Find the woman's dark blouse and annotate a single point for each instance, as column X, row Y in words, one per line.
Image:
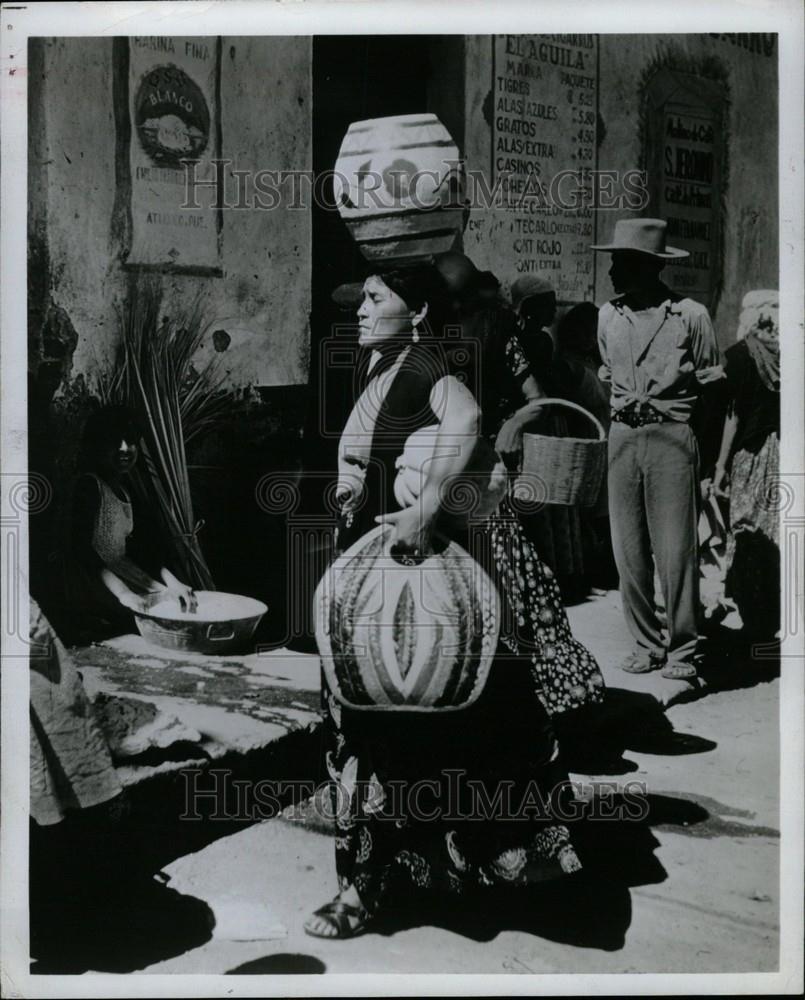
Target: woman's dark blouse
column 405, row 409
column 756, row 406
column 487, row 357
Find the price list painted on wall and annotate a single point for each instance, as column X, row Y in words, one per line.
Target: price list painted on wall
column 543, row 152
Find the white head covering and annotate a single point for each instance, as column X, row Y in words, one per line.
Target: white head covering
column 757, row 305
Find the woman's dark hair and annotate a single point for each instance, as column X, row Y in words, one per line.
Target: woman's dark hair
column 578, row 328
column 105, row 428
column 417, row 284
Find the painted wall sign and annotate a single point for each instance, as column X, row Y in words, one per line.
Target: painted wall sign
column 173, row 115
column 544, row 141
column 764, row 44
column 686, row 171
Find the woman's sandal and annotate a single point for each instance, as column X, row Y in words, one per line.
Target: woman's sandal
column 680, row 671
column 347, row 921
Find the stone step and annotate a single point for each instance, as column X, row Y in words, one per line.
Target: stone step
column 163, row 711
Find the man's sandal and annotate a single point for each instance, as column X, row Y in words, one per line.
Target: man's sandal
column 345, row 920
column 641, row 663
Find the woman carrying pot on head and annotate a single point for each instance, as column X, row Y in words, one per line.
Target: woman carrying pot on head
column 107, row 582
column 417, row 795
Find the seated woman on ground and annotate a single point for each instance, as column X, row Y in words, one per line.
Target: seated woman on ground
column 110, row 583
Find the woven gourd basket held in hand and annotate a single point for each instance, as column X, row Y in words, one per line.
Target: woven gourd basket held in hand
column 398, row 637
column 563, row 470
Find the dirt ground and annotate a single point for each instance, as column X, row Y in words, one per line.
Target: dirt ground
column 692, row 887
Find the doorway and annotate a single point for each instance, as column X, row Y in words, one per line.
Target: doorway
column 355, row 77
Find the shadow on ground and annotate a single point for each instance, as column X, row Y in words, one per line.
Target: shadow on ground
column 281, row 964
column 594, row 741
column 731, row 661
column 589, row 909
column 94, row 909
column 96, row 899
column 95, row 904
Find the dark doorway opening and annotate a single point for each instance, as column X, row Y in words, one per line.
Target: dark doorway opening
column 354, row 78
column 357, row 78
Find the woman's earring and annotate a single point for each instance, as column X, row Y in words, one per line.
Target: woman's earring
column 415, row 334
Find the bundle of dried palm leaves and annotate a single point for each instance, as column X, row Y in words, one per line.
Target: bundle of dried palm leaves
column 155, row 377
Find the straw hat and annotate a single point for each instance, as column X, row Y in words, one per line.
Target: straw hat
column 643, row 235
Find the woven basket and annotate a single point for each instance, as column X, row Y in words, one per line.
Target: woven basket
column 563, row 470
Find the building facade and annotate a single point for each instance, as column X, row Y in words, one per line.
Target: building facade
column 576, row 130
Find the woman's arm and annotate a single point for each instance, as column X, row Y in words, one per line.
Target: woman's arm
column 736, row 370
column 509, row 443
column 724, row 459
column 185, row 595
column 131, row 574
column 86, row 503
column 459, row 428
column 124, row 594
column 458, row 434
column 126, row 573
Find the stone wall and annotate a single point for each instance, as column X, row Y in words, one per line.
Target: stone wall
column 78, row 281
column 744, row 67
column 261, row 299
column 750, row 216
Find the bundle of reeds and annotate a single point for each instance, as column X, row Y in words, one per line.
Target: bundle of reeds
column 154, row 376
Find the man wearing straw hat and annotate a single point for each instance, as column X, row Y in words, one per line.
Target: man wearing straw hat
column 658, row 351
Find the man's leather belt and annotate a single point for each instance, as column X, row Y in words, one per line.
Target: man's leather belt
column 638, row 415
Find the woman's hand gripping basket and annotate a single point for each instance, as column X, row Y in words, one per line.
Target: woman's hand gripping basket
column 406, row 637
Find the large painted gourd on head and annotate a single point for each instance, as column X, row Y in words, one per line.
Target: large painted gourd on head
column 399, row 186
column 406, row 638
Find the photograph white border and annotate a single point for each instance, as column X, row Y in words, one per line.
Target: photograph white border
column 233, row 17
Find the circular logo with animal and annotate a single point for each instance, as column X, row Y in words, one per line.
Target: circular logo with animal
column 171, row 116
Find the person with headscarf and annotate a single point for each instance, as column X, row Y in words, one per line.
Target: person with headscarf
column 747, row 468
column 534, row 301
column 479, row 355
column 575, row 370
column 555, row 530
column 71, row 766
